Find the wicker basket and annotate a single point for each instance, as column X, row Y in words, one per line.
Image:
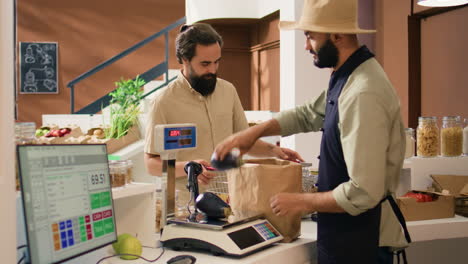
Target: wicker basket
column 219, row 186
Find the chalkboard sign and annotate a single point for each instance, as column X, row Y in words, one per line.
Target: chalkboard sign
column 38, row 67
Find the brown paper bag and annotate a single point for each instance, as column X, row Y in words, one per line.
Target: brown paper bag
column 254, row 183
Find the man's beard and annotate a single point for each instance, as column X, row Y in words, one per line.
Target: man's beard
column 327, row 55
column 204, row 84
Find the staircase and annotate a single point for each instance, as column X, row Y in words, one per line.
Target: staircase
column 133, row 151
column 160, row 69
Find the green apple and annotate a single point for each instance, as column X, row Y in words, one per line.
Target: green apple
column 39, row 132
column 120, row 238
column 130, row 245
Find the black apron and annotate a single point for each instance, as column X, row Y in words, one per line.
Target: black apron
column 343, row 238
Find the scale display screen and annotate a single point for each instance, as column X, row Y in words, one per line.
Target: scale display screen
column 253, row 235
column 245, row 238
column 179, row 137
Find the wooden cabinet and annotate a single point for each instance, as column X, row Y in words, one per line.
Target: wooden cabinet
column 251, row 59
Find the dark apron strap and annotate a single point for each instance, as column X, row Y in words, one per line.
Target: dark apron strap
column 401, row 253
column 400, row 216
column 401, row 219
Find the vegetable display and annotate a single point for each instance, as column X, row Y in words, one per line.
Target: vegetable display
column 124, row 108
column 420, row 197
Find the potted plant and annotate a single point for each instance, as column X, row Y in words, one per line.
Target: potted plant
column 124, row 107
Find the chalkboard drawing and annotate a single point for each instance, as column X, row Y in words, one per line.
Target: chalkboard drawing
column 30, row 84
column 50, row 84
column 29, row 57
column 45, row 74
column 38, row 67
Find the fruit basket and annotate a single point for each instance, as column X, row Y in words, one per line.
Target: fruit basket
column 56, row 135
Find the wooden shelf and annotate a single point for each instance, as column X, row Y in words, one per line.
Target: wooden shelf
column 135, row 188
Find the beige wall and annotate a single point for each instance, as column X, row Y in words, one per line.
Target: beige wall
column 7, row 161
column 392, row 45
column 443, row 63
column 89, row 32
column 443, row 57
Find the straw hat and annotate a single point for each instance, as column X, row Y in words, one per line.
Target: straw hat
column 328, row 16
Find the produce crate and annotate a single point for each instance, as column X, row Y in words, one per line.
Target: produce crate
column 457, row 185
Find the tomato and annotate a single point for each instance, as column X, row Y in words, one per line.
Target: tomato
column 420, row 197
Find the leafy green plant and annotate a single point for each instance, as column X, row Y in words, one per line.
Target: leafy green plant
column 124, row 108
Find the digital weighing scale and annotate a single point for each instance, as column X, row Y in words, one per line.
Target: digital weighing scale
column 220, row 237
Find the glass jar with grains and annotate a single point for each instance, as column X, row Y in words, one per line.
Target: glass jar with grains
column 465, row 138
column 409, row 150
column 451, row 136
column 25, row 133
column 427, row 137
column 118, row 173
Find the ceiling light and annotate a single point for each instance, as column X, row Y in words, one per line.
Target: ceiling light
column 440, row 3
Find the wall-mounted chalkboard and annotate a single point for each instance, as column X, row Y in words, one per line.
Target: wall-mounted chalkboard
column 38, row 67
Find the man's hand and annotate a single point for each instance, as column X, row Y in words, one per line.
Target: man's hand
column 287, row 154
column 288, row 204
column 241, row 140
column 295, row 203
column 206, row 176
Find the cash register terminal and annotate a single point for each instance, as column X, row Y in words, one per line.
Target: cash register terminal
column 67, row 200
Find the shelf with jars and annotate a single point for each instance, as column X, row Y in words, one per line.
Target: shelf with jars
column 419, row 169
column 438, row 151
column 448, row 141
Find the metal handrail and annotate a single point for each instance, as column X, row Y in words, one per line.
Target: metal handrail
column 159, row 87
column 124, row 53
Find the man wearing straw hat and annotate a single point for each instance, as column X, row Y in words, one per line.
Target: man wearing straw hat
column 362, row 146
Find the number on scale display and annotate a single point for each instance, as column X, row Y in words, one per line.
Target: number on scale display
column 180, row 132
column 97, row 178
column 174, row 133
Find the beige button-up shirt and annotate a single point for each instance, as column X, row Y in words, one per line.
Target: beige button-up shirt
column 373, row 142
column 217, row 116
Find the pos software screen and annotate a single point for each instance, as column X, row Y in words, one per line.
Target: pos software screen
column 67, row 200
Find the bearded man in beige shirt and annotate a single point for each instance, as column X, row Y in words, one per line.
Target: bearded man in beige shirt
column 199, row 96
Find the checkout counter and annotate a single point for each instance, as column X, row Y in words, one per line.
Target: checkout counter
column 72, row 215
column 434, row 241
column 301, row 251
column 134, row 207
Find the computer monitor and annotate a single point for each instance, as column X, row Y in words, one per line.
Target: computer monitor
column 67, row 200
